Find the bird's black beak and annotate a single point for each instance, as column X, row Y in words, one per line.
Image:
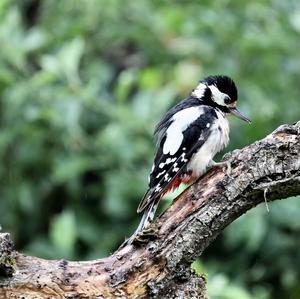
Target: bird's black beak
column 235, row 111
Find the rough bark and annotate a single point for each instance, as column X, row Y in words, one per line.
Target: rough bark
column 266, row 170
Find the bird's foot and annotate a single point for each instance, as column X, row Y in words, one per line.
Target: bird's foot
column 225, row 164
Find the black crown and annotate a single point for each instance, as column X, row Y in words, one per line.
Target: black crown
column 224, row 84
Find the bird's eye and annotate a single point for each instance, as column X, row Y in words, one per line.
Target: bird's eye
column 227, row 100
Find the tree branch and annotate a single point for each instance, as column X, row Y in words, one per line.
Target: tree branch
column 267, row 169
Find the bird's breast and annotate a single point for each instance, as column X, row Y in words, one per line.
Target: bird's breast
column 216, row 141
column 223, row 127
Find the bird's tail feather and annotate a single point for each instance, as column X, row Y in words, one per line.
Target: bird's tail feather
column 147, row 218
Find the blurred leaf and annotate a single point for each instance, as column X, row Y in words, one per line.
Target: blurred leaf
column 68, row 168
column 69, row 58
column 248, row 231
column 66, row 61
column 63, row 232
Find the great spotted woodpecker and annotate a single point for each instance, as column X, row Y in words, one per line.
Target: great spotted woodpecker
column 188, row 137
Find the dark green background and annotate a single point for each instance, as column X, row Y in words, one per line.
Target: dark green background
column 82, row 84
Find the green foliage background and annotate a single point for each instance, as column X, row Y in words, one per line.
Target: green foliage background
column 82, row 84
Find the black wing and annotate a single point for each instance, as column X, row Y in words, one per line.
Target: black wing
column 167, row 167
column 164, row 123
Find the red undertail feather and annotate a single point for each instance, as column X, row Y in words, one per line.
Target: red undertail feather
column 186, row 178
column 174, row 185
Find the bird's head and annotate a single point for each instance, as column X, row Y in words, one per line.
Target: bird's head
column 220, row 92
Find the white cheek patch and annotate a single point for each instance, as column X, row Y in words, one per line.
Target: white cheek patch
column 217, row 95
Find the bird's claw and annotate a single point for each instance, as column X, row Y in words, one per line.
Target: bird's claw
column 223, row 165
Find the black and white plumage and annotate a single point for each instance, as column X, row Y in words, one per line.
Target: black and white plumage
column 188, row 137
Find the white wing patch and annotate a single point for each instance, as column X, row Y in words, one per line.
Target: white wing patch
column 168, row 161
column 160, row 174
column 181, row 120
column 183, row 159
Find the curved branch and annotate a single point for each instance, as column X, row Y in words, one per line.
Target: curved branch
column 267, row 169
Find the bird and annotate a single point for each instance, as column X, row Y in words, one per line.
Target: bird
column 187, row 138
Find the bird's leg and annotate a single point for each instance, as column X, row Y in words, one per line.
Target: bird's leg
column 223, row 165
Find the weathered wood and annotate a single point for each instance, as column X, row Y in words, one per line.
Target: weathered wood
column 268, row 168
